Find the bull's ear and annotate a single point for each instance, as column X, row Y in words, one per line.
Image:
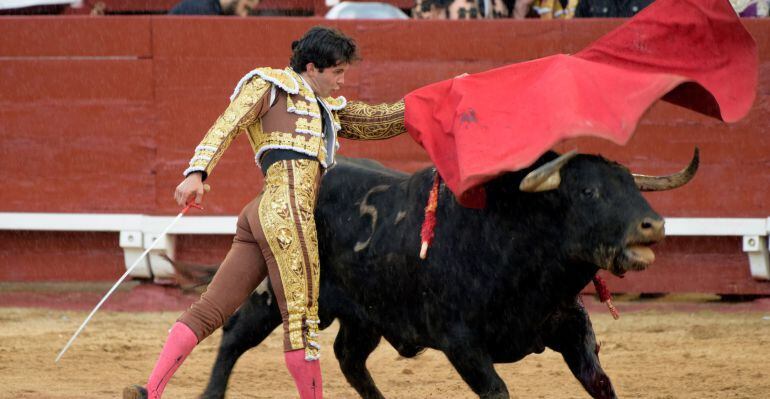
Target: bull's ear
column 546, row 177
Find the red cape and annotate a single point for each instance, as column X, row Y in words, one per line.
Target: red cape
column 696, row 53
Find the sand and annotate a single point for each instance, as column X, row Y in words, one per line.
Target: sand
column 647, row 354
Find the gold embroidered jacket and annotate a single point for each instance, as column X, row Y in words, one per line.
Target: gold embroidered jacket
column 279, row 110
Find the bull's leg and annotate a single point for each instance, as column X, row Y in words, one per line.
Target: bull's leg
column 573, row 336
column 352, row 347
column 245, row 329
column 476, row 368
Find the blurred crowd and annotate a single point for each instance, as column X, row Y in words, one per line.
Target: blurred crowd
column 554, row 9
column 389, row 9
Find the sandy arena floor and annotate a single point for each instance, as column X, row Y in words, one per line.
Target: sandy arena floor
column 656, row 353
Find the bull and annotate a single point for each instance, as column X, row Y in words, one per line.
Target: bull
column 499, row 283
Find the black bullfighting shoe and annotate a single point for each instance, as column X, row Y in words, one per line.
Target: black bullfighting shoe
column 134, row 392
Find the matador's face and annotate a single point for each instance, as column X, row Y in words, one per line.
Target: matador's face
column 326, row 82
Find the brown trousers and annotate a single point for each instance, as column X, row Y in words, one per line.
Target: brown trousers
column 275, row 235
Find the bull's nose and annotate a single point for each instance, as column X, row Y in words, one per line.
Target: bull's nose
column 652, row 228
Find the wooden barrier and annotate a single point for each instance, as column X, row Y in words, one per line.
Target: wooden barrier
column 101, row 115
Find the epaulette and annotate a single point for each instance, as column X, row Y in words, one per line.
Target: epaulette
column 336, row 104
column 279, row 77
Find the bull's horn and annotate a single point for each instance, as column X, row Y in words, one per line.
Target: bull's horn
column 547, row 176
column 660, row 183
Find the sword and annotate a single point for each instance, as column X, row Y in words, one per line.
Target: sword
column 192, row 204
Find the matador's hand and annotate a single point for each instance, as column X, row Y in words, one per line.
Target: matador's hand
column 191, row 186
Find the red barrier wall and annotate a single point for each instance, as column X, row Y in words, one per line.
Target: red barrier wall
column 102, row 115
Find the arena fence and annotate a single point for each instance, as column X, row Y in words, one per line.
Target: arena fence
column 99, row 116
column 138, row 232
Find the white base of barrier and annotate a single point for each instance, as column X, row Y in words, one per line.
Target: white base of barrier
column 137, row 232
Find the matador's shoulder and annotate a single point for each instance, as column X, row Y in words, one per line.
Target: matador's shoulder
column 282, row 78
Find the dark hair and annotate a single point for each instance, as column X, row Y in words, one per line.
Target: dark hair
column 324, row 47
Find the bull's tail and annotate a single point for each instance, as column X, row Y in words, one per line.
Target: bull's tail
column 192, row 275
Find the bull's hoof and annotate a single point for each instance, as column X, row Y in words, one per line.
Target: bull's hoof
column 134, row 392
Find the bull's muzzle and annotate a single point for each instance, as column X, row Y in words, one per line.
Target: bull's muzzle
column 637, row 254
column 651, row 229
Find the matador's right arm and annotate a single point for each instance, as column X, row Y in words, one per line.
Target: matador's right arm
column 250, row 103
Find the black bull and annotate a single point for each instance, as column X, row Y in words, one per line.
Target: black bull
column 498, row 283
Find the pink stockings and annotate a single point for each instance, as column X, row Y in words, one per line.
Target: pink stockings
column 306, row 374
column 181, row 341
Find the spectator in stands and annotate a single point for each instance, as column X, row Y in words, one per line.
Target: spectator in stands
column 32, row 7
column 751, row 8
column 609, row 8
column 241, row 8
column 476, row 9
column 99, row 9
column 461, row 9
column 544, row 9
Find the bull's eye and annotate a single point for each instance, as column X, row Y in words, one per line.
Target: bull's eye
column 590, row 193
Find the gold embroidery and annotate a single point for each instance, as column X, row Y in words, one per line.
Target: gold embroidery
column 283, row 78
column 277, row 222
column 300, row 279
column 239, row 114
column 371, row 122
column 306, row 144
column 303, row 108
column 242, row 113
column 313, row 125
column 305, row 172
column 336, row 104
